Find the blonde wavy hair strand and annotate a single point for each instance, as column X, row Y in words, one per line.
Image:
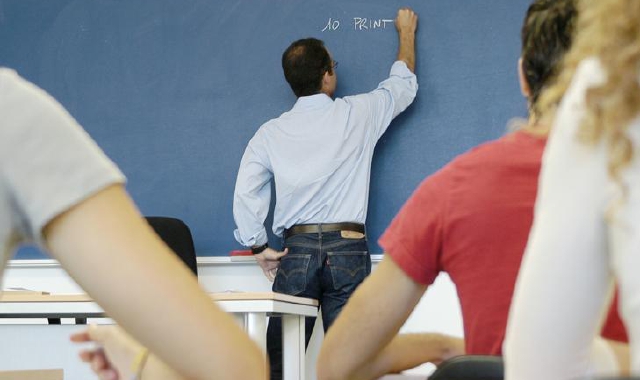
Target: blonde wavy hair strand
column 609, row 30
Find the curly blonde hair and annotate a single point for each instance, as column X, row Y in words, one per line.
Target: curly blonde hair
column 610, row 31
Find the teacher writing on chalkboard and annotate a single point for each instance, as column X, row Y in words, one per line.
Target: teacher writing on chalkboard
column 319, row 154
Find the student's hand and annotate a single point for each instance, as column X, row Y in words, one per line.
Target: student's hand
column 269, row 261
column 112, row 359
column 452, row 346
column 406, row 21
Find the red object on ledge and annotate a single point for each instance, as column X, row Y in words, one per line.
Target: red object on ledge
column 243, row 252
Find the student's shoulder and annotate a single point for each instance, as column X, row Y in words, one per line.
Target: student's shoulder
column 503, row 148
column 483, row 152
column 14, row 89
column 10, row 80
column 7, row 73
column 493, row 155
column 475, row 157
column 8, row 77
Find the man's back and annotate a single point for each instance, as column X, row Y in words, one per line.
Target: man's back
column 318, row 145
column 319, row 154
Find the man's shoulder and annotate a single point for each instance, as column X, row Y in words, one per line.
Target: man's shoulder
column 266, row 126
column 267, row 131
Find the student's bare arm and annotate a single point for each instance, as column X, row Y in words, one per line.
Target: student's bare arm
column 108, row 248
column 408, row 351
column 362, row 343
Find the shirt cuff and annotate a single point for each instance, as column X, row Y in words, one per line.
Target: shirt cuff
column 399, row 68
column 260, row 238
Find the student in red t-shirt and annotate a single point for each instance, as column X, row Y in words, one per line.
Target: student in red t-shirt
column 471, row 219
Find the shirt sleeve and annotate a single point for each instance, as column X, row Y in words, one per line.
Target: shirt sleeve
column 564, row 280
column 414, row 238
column 252, row 197
column 48, row 162
column 389, row 99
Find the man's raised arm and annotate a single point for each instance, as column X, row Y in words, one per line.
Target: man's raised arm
column 406, row 23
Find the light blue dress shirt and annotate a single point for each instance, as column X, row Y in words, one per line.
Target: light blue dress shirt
column 319, row 154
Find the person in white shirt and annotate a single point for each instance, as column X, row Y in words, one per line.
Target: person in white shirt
column 60, row 191
column 319, row 155
column 586, row 230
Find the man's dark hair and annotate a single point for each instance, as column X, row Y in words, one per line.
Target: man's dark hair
column 546, row 36
column 304, row 63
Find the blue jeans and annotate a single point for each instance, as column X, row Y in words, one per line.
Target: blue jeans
column 324, row 266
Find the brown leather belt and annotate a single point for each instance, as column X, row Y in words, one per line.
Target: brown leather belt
column 322, row 227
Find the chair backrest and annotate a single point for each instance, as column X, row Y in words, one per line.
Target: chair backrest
column 177, row 235
column 470, row 367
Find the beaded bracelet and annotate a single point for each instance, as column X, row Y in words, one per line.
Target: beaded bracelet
column 138, row 363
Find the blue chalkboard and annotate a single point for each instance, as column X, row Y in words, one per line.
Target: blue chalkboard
column 173, row 89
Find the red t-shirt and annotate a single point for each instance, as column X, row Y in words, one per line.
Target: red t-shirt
column 471, row 219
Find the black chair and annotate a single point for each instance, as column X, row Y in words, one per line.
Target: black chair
column 177, row 235
column 470, row 367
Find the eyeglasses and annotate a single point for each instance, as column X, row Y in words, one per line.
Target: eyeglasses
column 334, row 64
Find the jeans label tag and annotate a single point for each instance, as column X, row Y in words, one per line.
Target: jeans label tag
column 351, row 234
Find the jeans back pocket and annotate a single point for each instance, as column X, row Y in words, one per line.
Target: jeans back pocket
column 292, row 274
column 349, row 268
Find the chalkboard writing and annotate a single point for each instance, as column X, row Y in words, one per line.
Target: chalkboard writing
column 360, row 23
column 173, row 90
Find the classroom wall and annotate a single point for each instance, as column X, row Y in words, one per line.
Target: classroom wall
column 173, row 90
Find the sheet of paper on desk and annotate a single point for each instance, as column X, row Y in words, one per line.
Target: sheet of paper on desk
column 23, row 291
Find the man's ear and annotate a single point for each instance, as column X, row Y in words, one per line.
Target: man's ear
column 326, row 80
column 524, row 85
column 326, row 76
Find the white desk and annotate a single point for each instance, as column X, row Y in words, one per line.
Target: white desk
column 250, row 309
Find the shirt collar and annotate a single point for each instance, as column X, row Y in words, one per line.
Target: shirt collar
column 311, row 102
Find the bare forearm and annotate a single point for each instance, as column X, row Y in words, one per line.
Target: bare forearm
column 95, row 238
column 408, row 351
column 159, row 370
column 406, row 24
column 406, row 49
column 365, row 327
